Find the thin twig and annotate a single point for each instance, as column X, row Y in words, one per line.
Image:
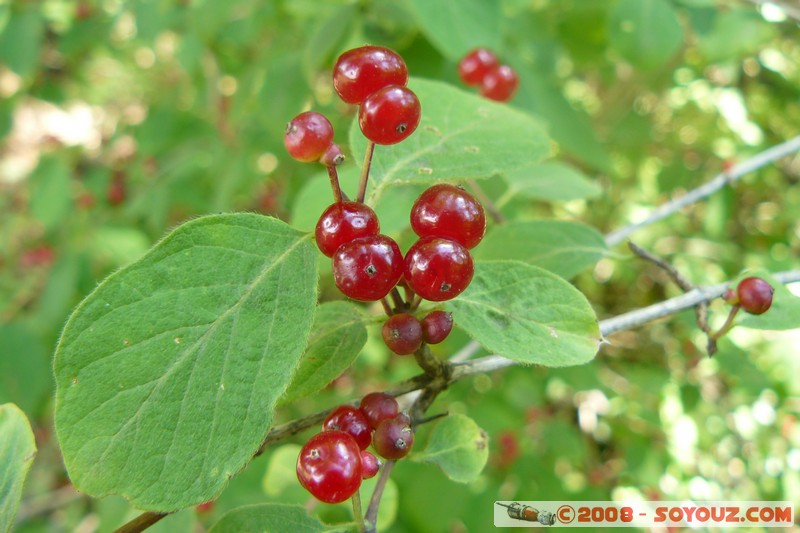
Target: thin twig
column 364, row 178
column 701, row 310
column 141, row 522
column 707, row 189
column 357, row 513
column 333, row 175
column 375, row 501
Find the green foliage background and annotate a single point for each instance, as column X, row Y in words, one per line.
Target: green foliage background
column 184, row 102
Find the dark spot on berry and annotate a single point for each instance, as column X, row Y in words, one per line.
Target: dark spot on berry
column 401, row 127
column 445, row 287
column 314, row 453
column 401, row 444
column 370, row 270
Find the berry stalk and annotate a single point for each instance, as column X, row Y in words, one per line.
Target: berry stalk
column 712, row 339
column 358, row 513
column 364, row 178
column 333, row 174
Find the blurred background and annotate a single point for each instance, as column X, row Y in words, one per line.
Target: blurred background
column 120, row 119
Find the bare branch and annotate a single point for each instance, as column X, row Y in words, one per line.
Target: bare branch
column 141, row 522
column 707, row 189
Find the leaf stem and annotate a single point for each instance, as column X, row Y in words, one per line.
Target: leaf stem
column 713, row 338
column 364, row 178
column 386, row 307
column 141, row 522
column 377, row 494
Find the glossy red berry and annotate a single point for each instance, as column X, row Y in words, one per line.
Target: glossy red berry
column 352, row 421
column 438, row 269
column 755, row 295
column 329, row 466
column 307, row 136
column 449, row 212
column 389, row 115
column 369, row 465
column 343, row 222
column 362, row 71
column 367, row 268
column 394, row 437
column 436, row 326
column 402, row 333
column 473, row 67
column 378, row 406
column 500, row 83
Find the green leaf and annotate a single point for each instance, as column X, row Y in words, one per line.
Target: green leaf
column 564, row 248
column 168, row 373
column 460, row 136
column 527, row 314
column 455, row 28
column 735, row 34
column 268, row 518
column 281, row 474
column 783, row 314
column 17, row 450
column 459, row 447
column 337, row 336
column 552, row 181
column 646, row 32
column 21, row 39
column 51, row 192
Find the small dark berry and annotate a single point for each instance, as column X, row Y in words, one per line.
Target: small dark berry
column 436, row 326
column 394, row 437
column 402, row 333
column 474, row 66
column 755, row 295
column 367, row 268
column 362, row 71
column 369, row 465
column 438, row 269
column 389, row 115
column 378, row 406
column 352, row 421
column 449, row 212
column 500, row 83
column 307, row 136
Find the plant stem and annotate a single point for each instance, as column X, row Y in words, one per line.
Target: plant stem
column 375, row 501
column 712, row 339
column 333, row 174
column 357, row 513
column 386, row 307
column 487, row 203
column 362, row 181
column 399, row 303
column 707, row 189
column 141, row 522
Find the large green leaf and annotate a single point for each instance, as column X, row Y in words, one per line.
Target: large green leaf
column 562, row 247
column 455, row 28
column 268, row 518
column 460, row 136
column 24, row 368
column 168, row 373
column 551, row 181
column 527, row 314
column 645, row 32
column 337, row 336
column 459, row 447
column 17, row 450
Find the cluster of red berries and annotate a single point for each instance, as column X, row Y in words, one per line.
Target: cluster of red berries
column 332, row 464
column 754, row 295
column 482, row 68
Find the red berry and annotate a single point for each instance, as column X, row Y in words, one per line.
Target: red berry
column 117, row 190
column 378, row 406
column 369, row 465
column 329, row 466
column 333, row 156
column 755, row 295
column 307, row 136
column 500, row 83
column 449, row 212
column 205, row 507
column 362, row 71
column 402, row 333
column 352, row 421
column 342, row 222
column 367, row 268
column 474, row 66
column 389, row 115
column 394, row 437
column 436, row 326
column 438, row 269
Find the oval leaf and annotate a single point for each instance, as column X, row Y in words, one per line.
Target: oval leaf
column 551, row 181
column 268, row 517
column 17, row 450
column 564, row 248
column 459, row 447
column 168, row 373
column 527, row 314
column 337, row 336
column 460, row 136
